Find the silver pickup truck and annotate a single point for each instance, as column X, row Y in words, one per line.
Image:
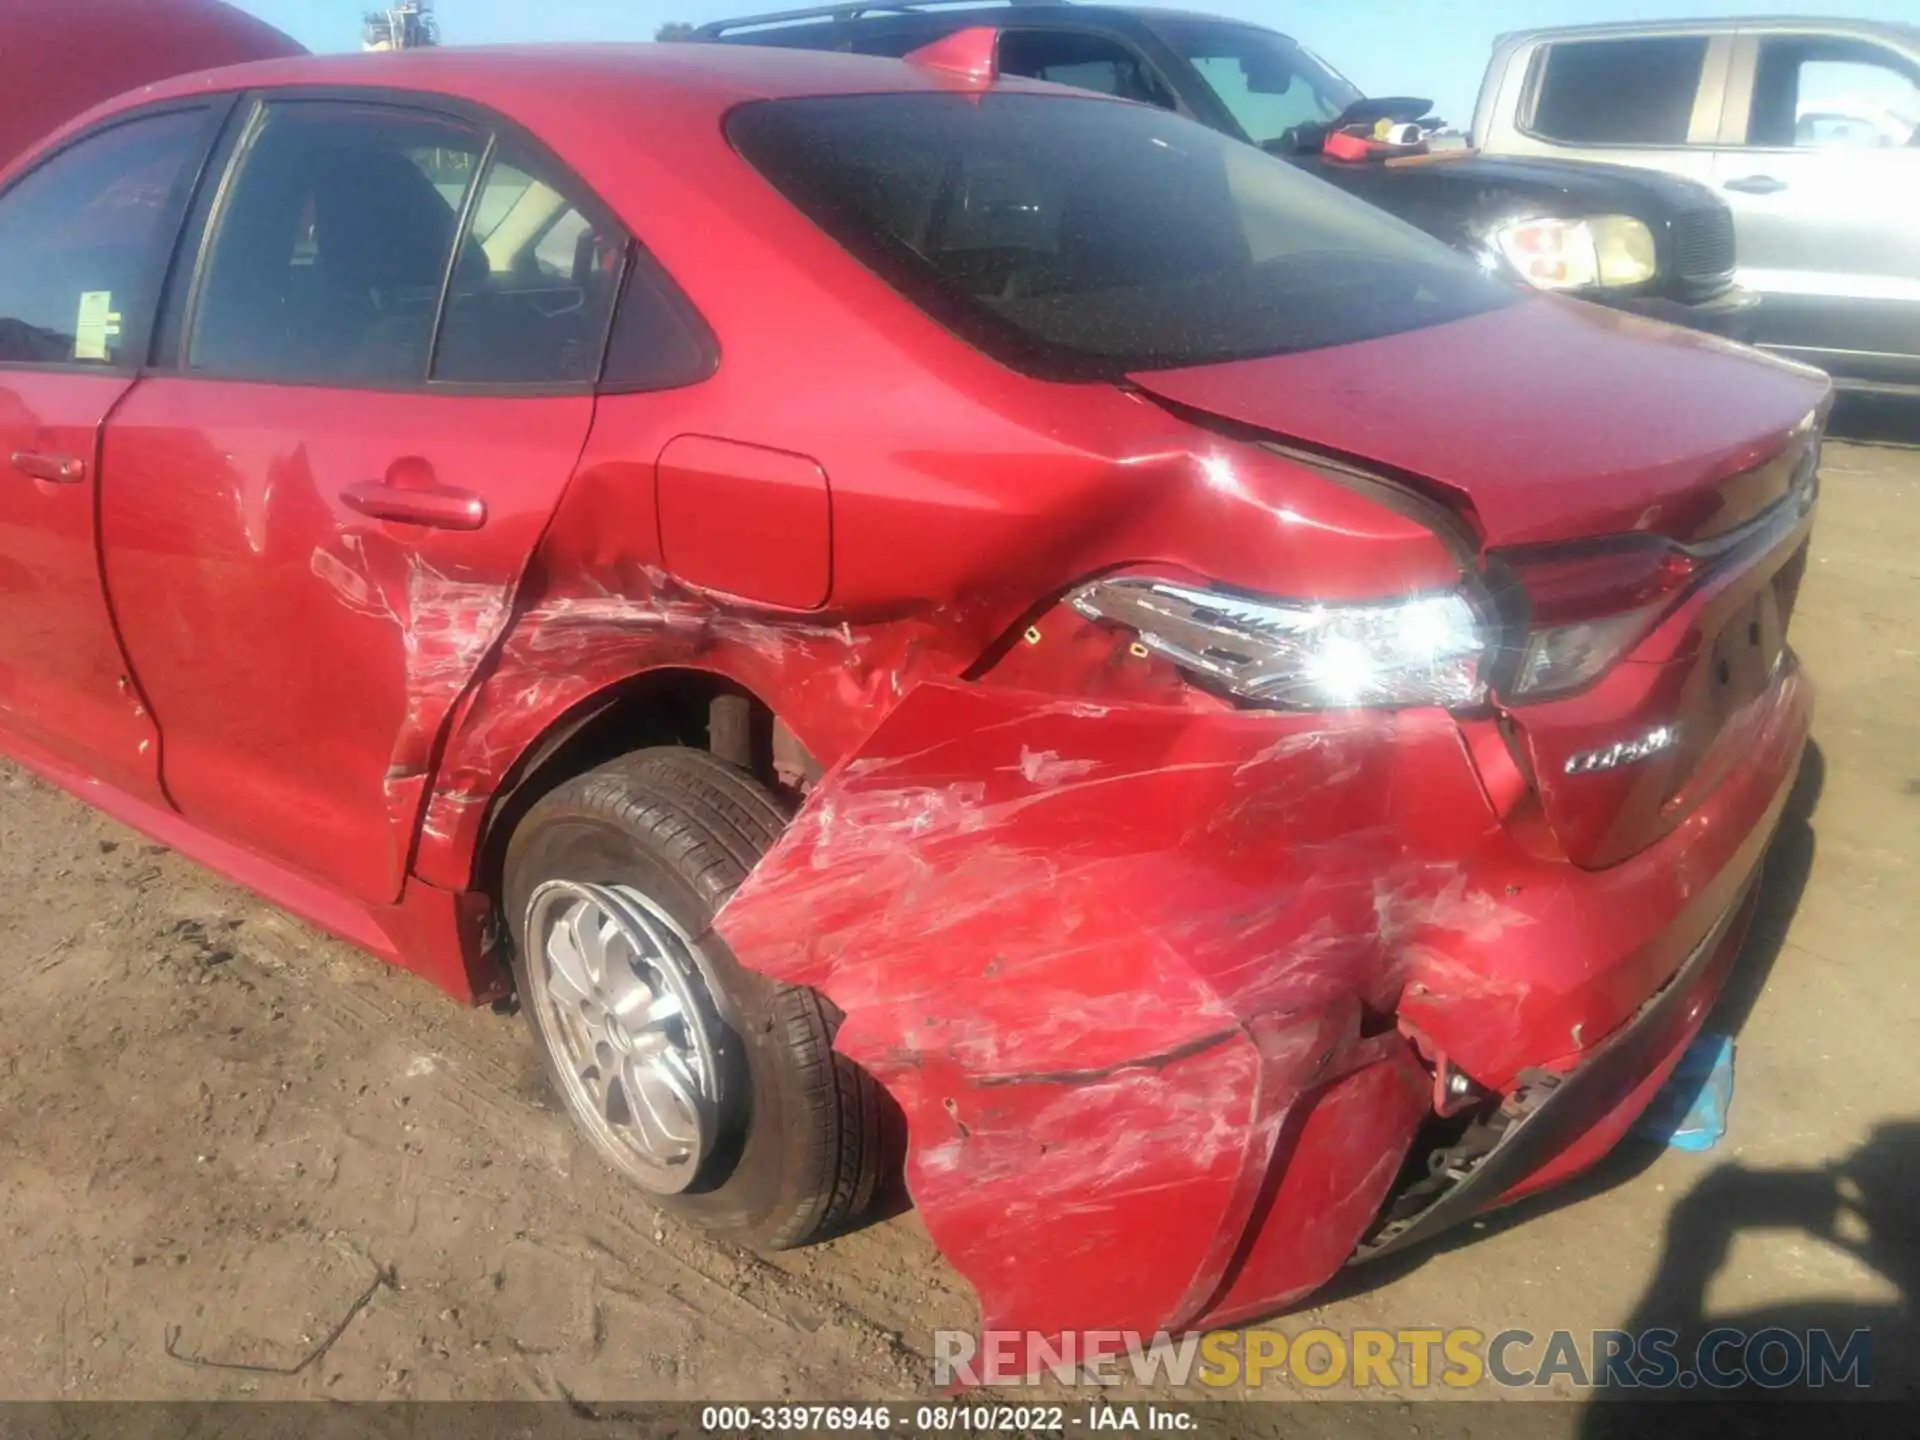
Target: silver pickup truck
column 1810, row 129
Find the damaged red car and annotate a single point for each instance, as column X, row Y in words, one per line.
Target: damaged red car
column 913, row 619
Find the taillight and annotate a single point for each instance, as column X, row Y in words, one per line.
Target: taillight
column 1302, row 654
column 1587, row 604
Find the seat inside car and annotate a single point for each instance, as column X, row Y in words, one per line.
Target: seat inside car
column 328, row 265
column 382, row 232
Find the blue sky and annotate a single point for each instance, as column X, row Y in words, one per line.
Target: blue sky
column 1386, row 47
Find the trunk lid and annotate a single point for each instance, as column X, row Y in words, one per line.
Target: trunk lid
column 1549, row 424
column 1544, row 420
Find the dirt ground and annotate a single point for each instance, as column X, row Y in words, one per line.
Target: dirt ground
column 218, row 1128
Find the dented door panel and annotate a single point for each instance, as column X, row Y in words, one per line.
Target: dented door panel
column 301, row 656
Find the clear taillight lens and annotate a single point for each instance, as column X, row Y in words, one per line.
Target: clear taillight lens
column 1588, row 605
column 1566, row 657
column 1418, row 650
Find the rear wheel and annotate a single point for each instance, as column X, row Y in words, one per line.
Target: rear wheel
column 713, row 1088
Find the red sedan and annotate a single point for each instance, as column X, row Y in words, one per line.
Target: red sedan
column 863, row 592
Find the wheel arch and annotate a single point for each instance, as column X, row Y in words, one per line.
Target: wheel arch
column 464, row 838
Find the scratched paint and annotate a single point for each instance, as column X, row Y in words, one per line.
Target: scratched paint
column 1134, row 966
column 445, row 626
column 607, row 625
column 1132, row 961
column 1106, row 959
column 1127, row 946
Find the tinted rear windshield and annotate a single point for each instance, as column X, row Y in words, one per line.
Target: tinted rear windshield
column 1082, row 238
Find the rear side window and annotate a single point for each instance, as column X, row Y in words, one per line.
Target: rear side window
column 1080, row 238
column 1619, row 92
column 659, row 341
column 331, row 248
column 1268, row 83
column 534, row 289
column 79, row 239
column 1086, row 62
column 1817, row 92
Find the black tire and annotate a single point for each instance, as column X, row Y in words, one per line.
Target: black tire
column 799, row 1155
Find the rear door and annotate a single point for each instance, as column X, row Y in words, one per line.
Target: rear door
column 84, row 235
column 365, row 403
column 1820, row 163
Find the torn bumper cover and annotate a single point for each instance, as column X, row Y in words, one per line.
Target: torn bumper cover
column 1551, row 1119
column 1141, row 978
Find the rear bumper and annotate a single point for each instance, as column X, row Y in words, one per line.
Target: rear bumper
column 1729, row 314
column 1146, row 982
column 1554, row 1125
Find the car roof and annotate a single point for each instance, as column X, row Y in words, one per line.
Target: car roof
column 1828, row 24
column 740, row 31
column 529, row 82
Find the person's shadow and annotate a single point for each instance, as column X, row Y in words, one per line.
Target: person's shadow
column 1866, row 1206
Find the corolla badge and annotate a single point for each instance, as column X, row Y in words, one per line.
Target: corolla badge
column 1624, row 752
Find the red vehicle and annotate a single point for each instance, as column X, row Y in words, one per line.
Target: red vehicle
column 58, row 57
column 861, row 590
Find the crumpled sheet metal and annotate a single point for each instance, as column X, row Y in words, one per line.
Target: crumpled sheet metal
column 575, row 645
column 1123, row 968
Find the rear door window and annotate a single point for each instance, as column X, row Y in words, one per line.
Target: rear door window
column 81, row 238
column 331, row 249
column 1619, row 92
column 1086, row 62
column 534, row 288
column 1818, row 92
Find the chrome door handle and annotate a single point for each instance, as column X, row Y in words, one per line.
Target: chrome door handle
column 441, row 509
column 55, row 469
column 1756, row 185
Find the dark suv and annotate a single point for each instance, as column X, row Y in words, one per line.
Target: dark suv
column 1634, row 239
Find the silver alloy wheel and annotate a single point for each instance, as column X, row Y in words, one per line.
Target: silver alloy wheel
column 627, row 1015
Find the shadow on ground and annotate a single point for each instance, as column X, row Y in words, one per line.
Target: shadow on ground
column 1876, row 420
column 1863, row 1205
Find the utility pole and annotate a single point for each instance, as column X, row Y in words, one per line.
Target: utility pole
column 407, row 25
